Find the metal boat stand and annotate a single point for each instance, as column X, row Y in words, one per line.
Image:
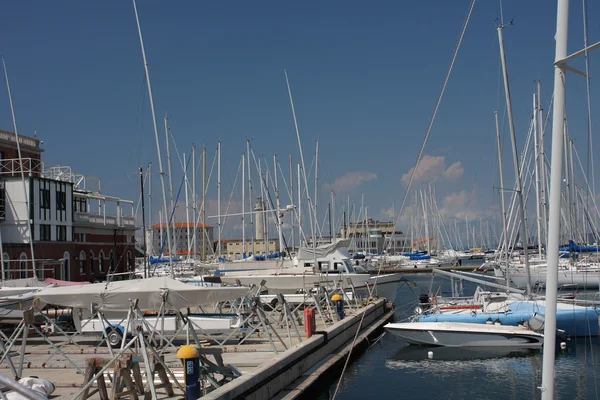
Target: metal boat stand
column 21, row 333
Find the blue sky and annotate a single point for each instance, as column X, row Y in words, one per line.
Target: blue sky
column 365, row 78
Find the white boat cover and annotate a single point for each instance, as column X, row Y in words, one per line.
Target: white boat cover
column 308, row 253
column 150, row 293
column 26, row 282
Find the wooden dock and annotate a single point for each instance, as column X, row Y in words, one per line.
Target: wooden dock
column 268, row 370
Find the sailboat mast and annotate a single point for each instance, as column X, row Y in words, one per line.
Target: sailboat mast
column 316, row 184
column 187, row 207
column 166, row 121
column 502, row 201
column 312, row 224
column 160, row 166
column 299, row 208
column 194, row 209
column 25, row 193
column 278, row 212
column 558, row 127
column 519, row 189
column 150, row 208
column 203, row 205
column 243, row 206
column 538, row 210
column 542, row 161
column 292, row 216
column 250, row 195
column 143, row 223
column 219, row 197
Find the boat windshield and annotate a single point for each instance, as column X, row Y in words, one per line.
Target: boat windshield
column 349, row 267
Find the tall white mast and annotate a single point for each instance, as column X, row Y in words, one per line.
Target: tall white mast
column 426, row 219
column 203, row 205
column 250, row 196
column 151, row 244
column 292, row 202
column 558, row 128
column 537, row 175
column 316, row 184
column 187, row 207
column 160, row 167
column 502, row 201
column 519, row 189
column 299, row 208
column 312, row 225
column 243, row 205
column 25, row 194
column 219, row 197
column 194, row 209
column 170, row 188
column 542, row 160
column 278, row 212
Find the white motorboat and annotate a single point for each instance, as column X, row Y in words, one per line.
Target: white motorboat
column 458, row 334
column 333, row 269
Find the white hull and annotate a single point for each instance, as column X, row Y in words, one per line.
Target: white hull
column 580, row 277
column 381, row 286
column 452, row 334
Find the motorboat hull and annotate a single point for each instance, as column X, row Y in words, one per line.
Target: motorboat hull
column 576, row 321
column 449, row 334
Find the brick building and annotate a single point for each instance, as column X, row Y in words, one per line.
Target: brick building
column 78, row 233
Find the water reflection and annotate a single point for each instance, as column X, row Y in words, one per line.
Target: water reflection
column 422, row 353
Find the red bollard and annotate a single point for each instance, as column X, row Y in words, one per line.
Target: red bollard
column 309, row 321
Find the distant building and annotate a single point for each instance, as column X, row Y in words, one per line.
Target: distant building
column 376, row 237
column 235, row 248
column 78, row 232
column 183, row 235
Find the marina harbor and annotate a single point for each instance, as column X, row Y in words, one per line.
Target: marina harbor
column 310, row 200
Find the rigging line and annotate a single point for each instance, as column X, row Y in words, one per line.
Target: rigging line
column 349, row 354
column 437, row 106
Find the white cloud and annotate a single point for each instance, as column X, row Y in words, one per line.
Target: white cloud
column 432, row 167
column 454, row 171
column 350, row 181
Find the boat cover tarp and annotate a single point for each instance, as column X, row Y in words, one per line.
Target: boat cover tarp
column 27, row 282
column 116, row 296
column 163, row 259
column 58, row 282
column 577, row 248
column 308, row 253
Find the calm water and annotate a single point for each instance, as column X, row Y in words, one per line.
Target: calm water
column 392, row 370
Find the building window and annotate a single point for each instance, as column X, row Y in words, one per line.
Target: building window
column 80, row 204
column 45, row 233
column 91, row 262
column 129, row 261
column 61, row 233
column 111, row 261
column 23, row 266
column 44, row 195
column 101, row 261
column 82, row 262
column 61, row 197
column 66, row 267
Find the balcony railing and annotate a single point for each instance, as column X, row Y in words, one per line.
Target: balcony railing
column 14, row 166
column 104, row 220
